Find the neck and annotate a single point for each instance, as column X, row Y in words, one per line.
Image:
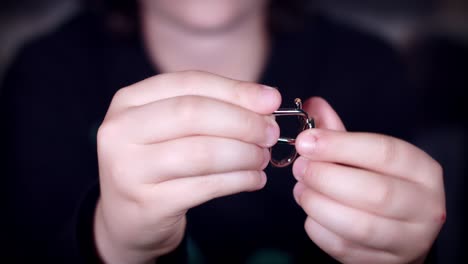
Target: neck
column 236, row 51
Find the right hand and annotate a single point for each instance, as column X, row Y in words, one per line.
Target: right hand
column 170, row 143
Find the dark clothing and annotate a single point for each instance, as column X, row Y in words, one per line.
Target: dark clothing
column 439, row 70
column 58, row 90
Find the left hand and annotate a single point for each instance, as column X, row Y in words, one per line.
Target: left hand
column 369, row 198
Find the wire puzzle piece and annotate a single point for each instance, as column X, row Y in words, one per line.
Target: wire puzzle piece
column 305, row 123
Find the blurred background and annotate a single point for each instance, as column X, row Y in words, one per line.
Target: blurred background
column 415, row 27
column 432, row 37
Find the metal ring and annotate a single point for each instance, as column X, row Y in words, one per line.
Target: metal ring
column 306, row 123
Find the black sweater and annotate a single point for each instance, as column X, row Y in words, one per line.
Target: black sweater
column 56, row 94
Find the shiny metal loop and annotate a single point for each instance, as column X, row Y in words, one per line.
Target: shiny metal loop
column 306, row 123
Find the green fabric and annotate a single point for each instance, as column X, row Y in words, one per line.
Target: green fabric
column 269, row 256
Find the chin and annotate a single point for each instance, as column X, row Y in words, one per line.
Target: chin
column 205, row 15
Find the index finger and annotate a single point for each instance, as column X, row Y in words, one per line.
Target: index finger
column 255, row 97
column 375, row 152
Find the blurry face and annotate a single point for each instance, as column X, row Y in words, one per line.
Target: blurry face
column 204, row 15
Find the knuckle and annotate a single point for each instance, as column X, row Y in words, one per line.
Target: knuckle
column 340, row 249
column 382, row 195
column 252, row 179
column 439, row 212
column 192, row 74
column 336, row 246
column 245, row 93
column 200, row 157
column 238, row 91
column 121, row 96
column 141, row 202
column 190, row 79
column 364, row 231
column 121, row 179
column 437, row 171
column 306, row 200
column 388, row 150
column 225, row 184
column 168, row 80
column 107, row 132
column 251, row 125
column 119, row 170
column 185, row 108
column 252, row 121
column 314, row 175
column 260, row 158
column 215, row 186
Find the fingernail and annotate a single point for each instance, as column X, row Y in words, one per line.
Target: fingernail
column 299, row 168
column 272, row 132
column 269, row 88
column 263, row 179
column 307, row 143
column 268, row 93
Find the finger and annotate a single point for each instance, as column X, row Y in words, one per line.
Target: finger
column 255, row 97
column 366, row 190
column 344, row 250
column 181, row 194
column 356, row 226
column 199, row 155
column 323, row 114
column 187, row 116
column 379, row 153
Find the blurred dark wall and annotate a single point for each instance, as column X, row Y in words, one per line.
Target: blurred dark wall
column 399, row 21
column 21, row 20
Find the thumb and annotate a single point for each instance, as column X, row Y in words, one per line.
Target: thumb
column 323, row 114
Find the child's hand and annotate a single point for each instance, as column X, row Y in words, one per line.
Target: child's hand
column 170, row 143
column 369, row 198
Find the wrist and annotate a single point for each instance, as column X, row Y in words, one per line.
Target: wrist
column 111, row 251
